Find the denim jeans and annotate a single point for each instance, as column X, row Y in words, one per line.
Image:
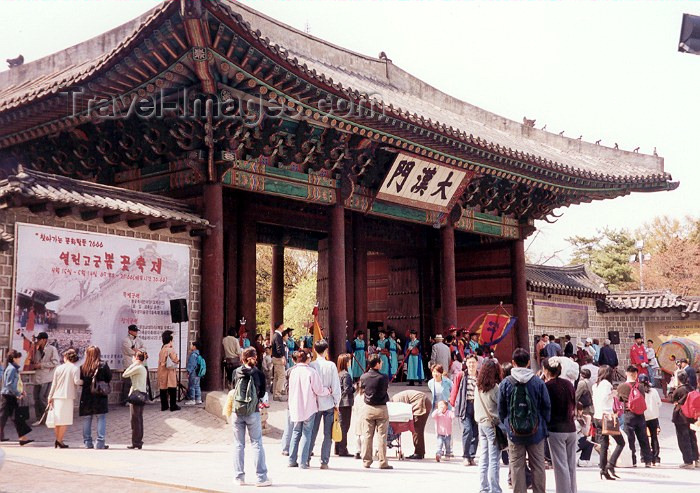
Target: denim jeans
column 194, row 391
column 470, row 437
column 444, row 445
column 287, row 434
column 327, row 416
column 101, row 430
column 301, row 438
column 488, row 460
column 253, row 425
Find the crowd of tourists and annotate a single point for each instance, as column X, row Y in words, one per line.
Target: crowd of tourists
column 553, row 416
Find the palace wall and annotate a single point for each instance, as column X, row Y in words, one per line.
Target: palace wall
column 9, row 217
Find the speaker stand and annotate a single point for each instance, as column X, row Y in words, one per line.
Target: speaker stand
column 181, row 390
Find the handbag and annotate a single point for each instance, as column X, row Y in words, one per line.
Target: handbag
column 336, row 431
column 169, row 363
column 50, row 418
column 99, row 387
column 611, row 424
column 500, row 439
column 137, row 398
column 22, row 413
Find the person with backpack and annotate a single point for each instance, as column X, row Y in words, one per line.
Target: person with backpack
column 561, row 427
column 525, row 409
column 651, row 416
column 687, row 440
column 632, row 398
column 196, row 369
column 243, row 406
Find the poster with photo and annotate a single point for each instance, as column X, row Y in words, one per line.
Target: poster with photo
column 85, row 288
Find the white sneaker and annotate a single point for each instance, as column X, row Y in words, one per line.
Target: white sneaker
column 687, row 466
column 199, row 402
column 583, row 463
column 188, row 403
column 241, row 482
column 262, row 484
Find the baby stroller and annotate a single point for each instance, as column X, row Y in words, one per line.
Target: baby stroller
column 400, row 420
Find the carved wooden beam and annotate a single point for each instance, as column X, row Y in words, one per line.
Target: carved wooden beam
column 113, row 218
column 155, row 226
column 135, row 223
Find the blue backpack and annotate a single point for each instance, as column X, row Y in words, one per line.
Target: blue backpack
column 201, row 369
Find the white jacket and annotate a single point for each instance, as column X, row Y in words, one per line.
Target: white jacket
column 653, row 402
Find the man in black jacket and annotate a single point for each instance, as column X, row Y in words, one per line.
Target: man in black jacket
column 376, row 396
column 279, row 360
column 607, row 356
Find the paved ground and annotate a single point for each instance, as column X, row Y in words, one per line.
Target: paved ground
column 191, row 449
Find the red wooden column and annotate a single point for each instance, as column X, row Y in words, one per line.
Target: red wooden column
column 517, row 262
column 449, row 285
column 336, row 278
column 277, row 302
column 349, row 277
column 360, row 272
column 231, row 258
column 212, row 327
column 246, row 272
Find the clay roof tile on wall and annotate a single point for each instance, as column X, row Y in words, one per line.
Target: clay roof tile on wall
column 644, row 300
column 576, row 280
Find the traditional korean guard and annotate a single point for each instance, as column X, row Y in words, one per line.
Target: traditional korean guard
column 413, row 355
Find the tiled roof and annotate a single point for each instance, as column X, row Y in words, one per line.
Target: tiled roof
column 644, row 300
column 72, row 66
column 575, row 280
column 398, row 94
column 693, row 304
column 404, row 94
column 30, row 188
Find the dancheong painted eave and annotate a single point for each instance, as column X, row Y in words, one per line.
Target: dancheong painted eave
column 410, row 114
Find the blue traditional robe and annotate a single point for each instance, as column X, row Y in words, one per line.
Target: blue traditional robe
column 358, row 361
column 415, row 362
column 308, row 342
column 383, row 344
column 393, row 356
column 291, row 347
column 244, row 342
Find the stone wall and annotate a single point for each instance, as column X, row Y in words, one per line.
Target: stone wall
column 627, row 323
column 9, row 217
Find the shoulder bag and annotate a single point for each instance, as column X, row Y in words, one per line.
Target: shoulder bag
column 99, row 387
column 169, row 363
column 137, row 398
column 501, row 440
column 611, row 424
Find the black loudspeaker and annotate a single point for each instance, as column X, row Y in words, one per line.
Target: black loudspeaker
column 178, row 311
column 614, row 336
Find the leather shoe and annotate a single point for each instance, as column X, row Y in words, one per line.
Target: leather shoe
column 386, row 467
column 415, row 457
column 25, row 442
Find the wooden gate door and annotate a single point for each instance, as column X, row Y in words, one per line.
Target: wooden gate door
column 403, row 300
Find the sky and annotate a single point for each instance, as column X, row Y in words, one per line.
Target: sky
column 606, row 70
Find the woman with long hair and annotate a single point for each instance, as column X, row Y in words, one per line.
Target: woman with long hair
column 94, row 404
column 562, row 429
column 440, row 387
column 137, row 373
column 12, row 393
column 347, row 399
column 167, row 373
column 651, row 416
column 486, row 416
column 64, row 387
column 603, row 405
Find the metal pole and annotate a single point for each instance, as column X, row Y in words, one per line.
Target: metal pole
column 641, row 270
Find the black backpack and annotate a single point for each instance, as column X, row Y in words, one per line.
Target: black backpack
column 522, row 413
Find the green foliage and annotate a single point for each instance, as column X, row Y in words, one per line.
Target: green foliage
column 300, row 268
column 299, row 305
column 608, row 255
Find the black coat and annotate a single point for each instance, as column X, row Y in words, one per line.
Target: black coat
column 90, row 403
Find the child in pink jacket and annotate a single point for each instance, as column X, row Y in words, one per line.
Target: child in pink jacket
column 443, row 428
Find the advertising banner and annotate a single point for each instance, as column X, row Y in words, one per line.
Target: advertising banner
column 86, row 288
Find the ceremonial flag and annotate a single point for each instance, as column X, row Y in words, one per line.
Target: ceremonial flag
column 318, row 335
column 494, row 328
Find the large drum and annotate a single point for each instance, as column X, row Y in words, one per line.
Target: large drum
column 675, row 349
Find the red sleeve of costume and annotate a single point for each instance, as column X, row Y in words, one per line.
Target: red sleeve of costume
column 455, row 388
